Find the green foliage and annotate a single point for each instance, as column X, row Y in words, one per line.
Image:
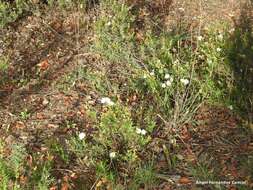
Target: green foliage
column 165, row 76
column 3, row 64
column 70, row 4
column 17, row 158
column 11, row 167
column 10, row 12
column 5, row 16
column 79, row 147
column 121, row 130
column 214, row 70
column 45, row 179
column 239, row 56
column 202, row 172
column 144, row 176
column 64, row 3
column 176, row 76
column 5, row 177
column 115, row 145
column 114, row 38
column 24, row 114
column 40, row 176
column 98, row 80
column 58, row 150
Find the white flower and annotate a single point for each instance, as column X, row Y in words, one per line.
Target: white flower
column 138, row 130
column 231, row 30
column 106, row 101
column 209, row 61
column 220, row 36
column 152, row 73
column 112, row 154
column 81, row 136
column 168, row 83
column 163, row 85
column 109, row 23
column 230, row 107
column 181, row 9
column 144, row 76
column 173, row 141
column 169, row 79
column 218, row 49
column 200, row 38
column 141, row 131
column 45, row 102
column 184, row 81
column 176, row 61
column 167, row 76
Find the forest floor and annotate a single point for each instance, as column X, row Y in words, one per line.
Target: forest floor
column 43, row 98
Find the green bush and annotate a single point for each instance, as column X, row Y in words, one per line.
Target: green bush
column 116, row 145
column 11, row 167
column 114, row 38
column 177, row 72
column 10, row 12
column 239, row 57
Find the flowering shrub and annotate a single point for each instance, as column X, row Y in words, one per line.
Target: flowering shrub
column 116, row 143
column 171, row 81
column 178, row 77
column 106, row 101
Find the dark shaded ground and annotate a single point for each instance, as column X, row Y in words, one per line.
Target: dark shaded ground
column 240, row 58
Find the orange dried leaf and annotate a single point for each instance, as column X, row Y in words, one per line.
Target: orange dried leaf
column 53, row 188
column 184, row 180
column 23, row 179
column 139, row 37
column 43, row 65
column 40, row 116
column 20, row 125
column 64, row 186
column 54, row 126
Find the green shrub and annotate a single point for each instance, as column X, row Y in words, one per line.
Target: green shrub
column 10, row 12
column 144, row 176
column 176, row 72
column 239, row 57
column 41, row 178
column 11, row 167
column 5, row 16
column 114, row 38
column 116, row 145
column 3, row 64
